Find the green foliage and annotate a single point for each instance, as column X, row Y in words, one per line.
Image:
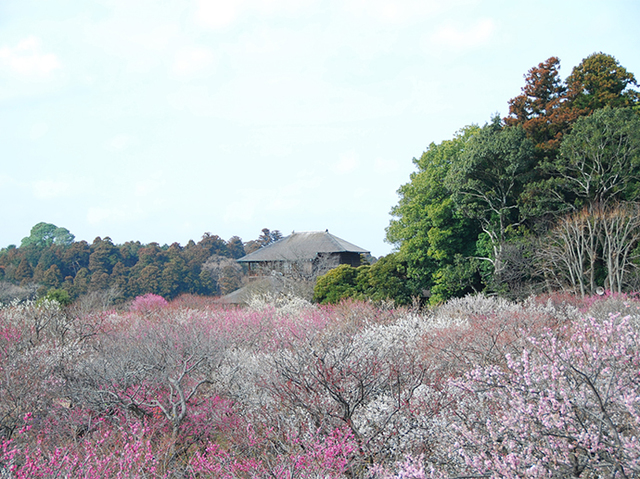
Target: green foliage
column 548, row 107
column 60, row 296
column 51, row 259
column 428, row 227
column 487, row 183
column 457, row 279
column 384, row 280
column 469, row 217
column 599, row 160
column 488, row 179
column 599, row 81
column 336, row 284
column 46, row 234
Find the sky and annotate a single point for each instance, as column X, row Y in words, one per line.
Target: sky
column 158, row 121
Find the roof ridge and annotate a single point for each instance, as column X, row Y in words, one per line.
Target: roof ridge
column 302, row 245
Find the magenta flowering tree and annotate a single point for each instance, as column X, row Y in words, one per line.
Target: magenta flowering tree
column 307, row 456
column 158, row 372
column 125, row 452
column 147, row 303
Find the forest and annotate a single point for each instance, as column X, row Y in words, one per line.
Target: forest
column 500, row 339
column 49, row 261
column 544, row 199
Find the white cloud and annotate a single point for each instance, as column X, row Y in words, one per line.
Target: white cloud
column 390, row 12
column 282, row 200
column 400, row 12
column 218, row 13
column 49, row 189
column 142, row 39
column 460, row 37
column 242, row 210
column 96, row 216
column 360, row 192
column 195, row 99
column 190, row 61
column 347, row 163
column 27, row 59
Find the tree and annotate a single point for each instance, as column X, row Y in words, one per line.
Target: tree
column 104, row 255
column 46, row 234
column 145, row 279
column 542, row 109
column 119, row 276
column 366, row 379
column 567, row 256
column 60, row 296
column 488, row 180
column 335, row 285
column 24, row 273
column 592, row 247
column 212, row 244
column 386, row 279
column 565, row 406
column 149, row 368
column 428, row 228
column 75, row 257
column 81, row 282
column 598, row 81
column 175, row 274
column 599, row 160
column 235, row 247
column 548, row 107
column 52, row 278
column 224, row 273
column 266, row 238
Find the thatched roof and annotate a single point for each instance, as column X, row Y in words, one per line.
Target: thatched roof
column 302, row 246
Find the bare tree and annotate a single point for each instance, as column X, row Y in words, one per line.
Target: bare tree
column 597, row 236
column 568, row 254
column 225, row 272
column 621, row 233
column 155, row 366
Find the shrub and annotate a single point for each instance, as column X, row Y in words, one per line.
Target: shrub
column 147, row 303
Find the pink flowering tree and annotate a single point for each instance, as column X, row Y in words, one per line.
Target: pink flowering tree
column 147, row 303
column 567, row 406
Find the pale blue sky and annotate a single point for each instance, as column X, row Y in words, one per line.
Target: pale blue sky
column 161, row 120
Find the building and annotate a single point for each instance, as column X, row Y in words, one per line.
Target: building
column 303, row 255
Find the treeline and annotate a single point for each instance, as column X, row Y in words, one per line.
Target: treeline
column 50, row 259
column 543, row 199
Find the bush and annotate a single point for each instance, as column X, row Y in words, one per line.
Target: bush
column 147, row 303
column 61, row 296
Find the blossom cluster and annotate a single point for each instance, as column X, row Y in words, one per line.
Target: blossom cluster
column 479, row 387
